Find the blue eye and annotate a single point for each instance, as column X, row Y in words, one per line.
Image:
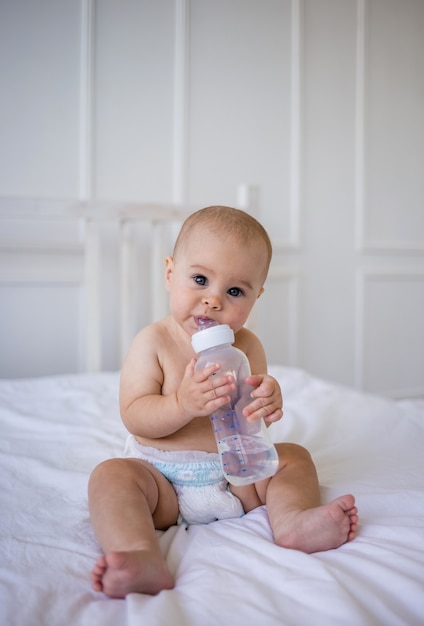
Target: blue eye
column 200, row 280
column 235, row 292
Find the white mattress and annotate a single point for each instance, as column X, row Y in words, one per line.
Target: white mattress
column 55, row 430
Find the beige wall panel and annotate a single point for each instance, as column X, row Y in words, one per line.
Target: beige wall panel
column 39, row 105
column 48, row 315
column 133, row 100
column 276, row 317
column 239, row 105
column 393, row 335
column 394, row 124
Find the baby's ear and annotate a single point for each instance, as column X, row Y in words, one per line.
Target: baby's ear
column 169, row 269
column 262, row 289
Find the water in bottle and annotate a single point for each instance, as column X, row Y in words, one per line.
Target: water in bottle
column 245, row 448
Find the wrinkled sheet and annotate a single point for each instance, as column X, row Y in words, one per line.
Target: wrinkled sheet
column 55, row 430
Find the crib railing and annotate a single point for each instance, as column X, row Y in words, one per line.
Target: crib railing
column 79, row 235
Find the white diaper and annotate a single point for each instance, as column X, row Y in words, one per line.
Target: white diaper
column 203, row 493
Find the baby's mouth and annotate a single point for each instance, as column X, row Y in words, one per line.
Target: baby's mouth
column 202, row 321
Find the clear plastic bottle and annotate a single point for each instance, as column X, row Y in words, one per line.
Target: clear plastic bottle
column 246, row 450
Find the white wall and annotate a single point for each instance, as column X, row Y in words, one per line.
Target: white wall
column 315, row 106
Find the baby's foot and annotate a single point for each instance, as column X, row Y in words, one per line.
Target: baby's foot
column 322, row 528
column 119, row 573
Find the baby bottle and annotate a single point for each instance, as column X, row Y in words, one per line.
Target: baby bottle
column 245, row 448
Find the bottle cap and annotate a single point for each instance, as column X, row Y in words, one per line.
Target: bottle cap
column 211, row 337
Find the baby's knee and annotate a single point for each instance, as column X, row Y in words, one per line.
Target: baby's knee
column 290, row 453
column 107, row 472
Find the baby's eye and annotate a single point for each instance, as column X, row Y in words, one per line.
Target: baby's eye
column 235, row 292
column 200, row 280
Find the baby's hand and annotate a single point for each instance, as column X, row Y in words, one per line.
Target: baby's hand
column 200, row 393
column 268, row 402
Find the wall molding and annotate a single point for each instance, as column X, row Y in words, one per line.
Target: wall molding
column 360, row 165
column 93, row 357
column 391, row 247
column 295, row 122
column 34, row 277
column 86, row 144
column 181, row 102
column 41, row 246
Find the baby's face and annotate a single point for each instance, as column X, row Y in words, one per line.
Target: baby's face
column 215, row 277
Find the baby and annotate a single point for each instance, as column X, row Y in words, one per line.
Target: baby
column 171, row 469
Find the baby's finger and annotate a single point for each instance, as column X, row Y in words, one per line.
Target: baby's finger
column 262, row 408
column 204, row 373
column 265, row 390
column 274, row 417
column 260, row 404
column 221, row 386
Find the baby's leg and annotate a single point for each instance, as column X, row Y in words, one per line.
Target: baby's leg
column 297, row 518
column 128, row 499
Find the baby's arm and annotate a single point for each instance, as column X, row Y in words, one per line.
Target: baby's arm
column 149, row 412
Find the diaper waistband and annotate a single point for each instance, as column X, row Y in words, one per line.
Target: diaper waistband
column 182, row 467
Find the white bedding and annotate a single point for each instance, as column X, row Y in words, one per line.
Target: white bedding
column 55, row 430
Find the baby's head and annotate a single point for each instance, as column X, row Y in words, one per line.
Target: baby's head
column 230, row 224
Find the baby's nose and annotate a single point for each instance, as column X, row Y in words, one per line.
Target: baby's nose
column 213, row 301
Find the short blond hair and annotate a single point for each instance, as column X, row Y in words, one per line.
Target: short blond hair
column 229, row 222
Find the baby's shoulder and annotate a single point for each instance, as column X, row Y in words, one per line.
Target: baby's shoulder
column 156, row 329
column 153, row 335
column 245, row 339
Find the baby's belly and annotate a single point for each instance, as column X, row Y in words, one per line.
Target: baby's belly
column 197, row 435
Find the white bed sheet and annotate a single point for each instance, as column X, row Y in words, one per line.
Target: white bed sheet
column 55, row 430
